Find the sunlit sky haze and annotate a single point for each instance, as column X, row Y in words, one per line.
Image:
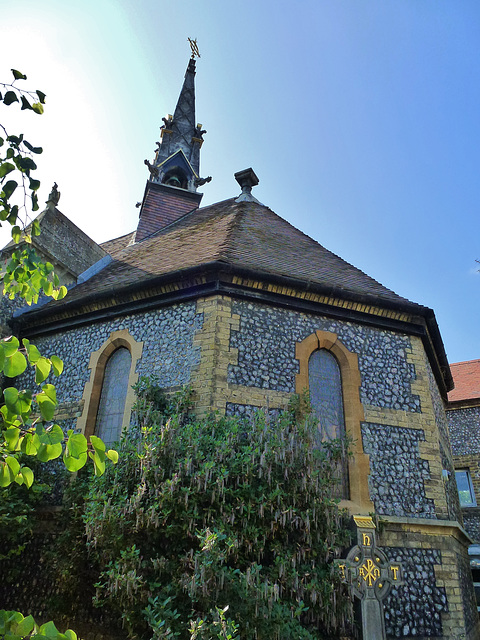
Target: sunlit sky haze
column 361, row 120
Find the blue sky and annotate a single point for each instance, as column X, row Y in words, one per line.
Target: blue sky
column 360, row 118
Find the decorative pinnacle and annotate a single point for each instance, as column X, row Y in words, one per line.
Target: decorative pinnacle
column 54, row 196
column 194, row 48
column 246, row 179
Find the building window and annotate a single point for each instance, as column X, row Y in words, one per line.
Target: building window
column 111, row 407
column 329, row 371
column 325, row 384
column 326, row 397
column 108, row 396
column 465, row 488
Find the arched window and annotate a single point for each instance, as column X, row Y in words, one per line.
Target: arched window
column 329, row 371
column 111, row 407
column 325, row 384
column 326, row 397
column 108, row 396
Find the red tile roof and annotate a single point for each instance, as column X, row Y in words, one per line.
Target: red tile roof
column 466, row 376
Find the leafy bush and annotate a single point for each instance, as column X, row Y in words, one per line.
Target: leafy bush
column 219, row 528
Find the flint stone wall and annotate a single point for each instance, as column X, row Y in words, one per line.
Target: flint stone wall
column 168, row 351
column 266, row 354
column 414, row 609
column 397, row 473
column 471, row 522
column 464, row 425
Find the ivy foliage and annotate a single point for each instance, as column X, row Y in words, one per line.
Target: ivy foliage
column 219, row 528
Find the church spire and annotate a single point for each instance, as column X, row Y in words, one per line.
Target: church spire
column 171, row 191
column 177, row 158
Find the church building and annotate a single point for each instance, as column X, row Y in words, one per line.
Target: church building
column 234, row 301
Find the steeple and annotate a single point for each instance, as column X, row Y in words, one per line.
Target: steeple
column 171, row 191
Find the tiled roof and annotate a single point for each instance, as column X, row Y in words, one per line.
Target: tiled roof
column 244, row 235
column 117, row 244
column 466, row 376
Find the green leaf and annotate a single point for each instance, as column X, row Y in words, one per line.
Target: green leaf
column 25, row 627
column 5, row 168
column 15, row 365
column 35, row 228
column 16, row 234
column 71, row 635
column 48, row 629
column 18, row 75
column 25, row 103
column 34, row 185
column 42, row 369
column 75, row 455
column 57, row 365
column 112, row 455
column 46, row 406
column 27, row 164
column 33, row 354
column 38, row 107
column 6, row 476
column 10, row 97
column 10, row 346
column 59, row 294
column 52, row 435
column 15, row 139
column 27, row 475
column 24, row 403
column 41, row 96
column 74, row 463
column 97, row 443
column 9, row 188
column 14, row 464
column 12, row 437
column 11, row 396
column 29, row 445
column 50, row 391
column 98, row 463
column 48, row 452
column 76, row 444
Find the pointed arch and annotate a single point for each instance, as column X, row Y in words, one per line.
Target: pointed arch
column 358, row 464
column 100, row 362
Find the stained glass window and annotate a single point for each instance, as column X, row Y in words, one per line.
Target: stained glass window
column 114, row 393
column 325, row 385
column 326, row 397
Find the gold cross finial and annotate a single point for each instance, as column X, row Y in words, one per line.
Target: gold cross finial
column 194, row 48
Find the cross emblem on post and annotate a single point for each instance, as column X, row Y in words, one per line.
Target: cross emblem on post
column 370, row 576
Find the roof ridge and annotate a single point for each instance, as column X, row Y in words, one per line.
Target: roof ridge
column 463, row 362
column 233, row 226
column 338, row 257
column 117, row 238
